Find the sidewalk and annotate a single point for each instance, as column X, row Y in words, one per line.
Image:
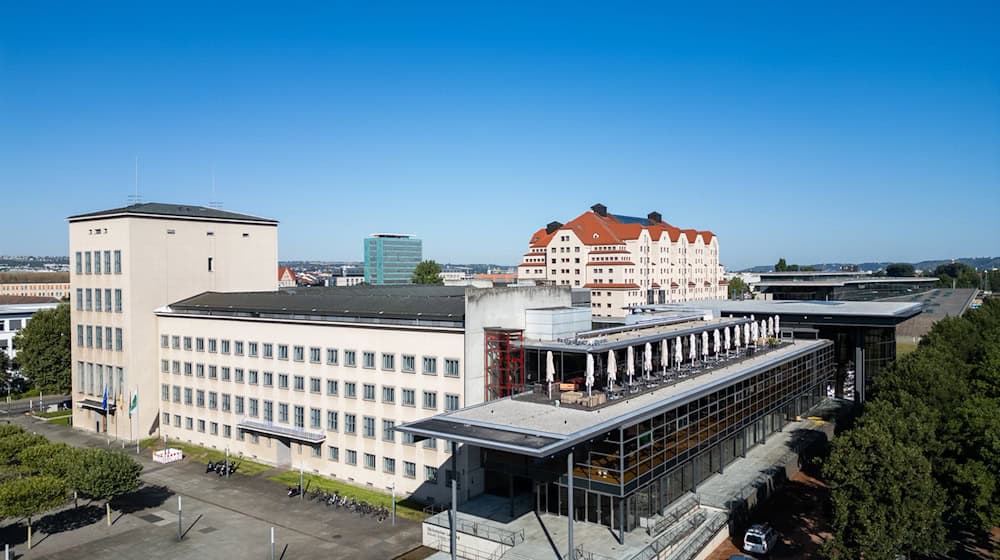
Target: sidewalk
column 231, row 518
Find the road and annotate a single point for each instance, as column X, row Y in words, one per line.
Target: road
column 24, row 405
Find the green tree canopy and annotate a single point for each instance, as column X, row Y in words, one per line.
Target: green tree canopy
column 781, row 265
column 899, row 270
column 44, row 349
column 104, row 474
column 959, row 274
column 427, row 272
column 14, row 443
column 51, row 459
column 28, row 497
column 737, row 287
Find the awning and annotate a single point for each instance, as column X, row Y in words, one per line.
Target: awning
column 95, row 404
column 281, row 431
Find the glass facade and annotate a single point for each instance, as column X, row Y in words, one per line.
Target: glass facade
column 391, row 259
column 636, row 471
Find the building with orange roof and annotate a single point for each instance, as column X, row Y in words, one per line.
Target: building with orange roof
column 625, row 260
column 286, row 277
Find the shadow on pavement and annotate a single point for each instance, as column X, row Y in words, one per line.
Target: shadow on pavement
column 149, row 496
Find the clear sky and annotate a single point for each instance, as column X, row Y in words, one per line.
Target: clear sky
column 817, row 131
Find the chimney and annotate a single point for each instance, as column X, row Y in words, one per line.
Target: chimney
column 552, row 226
column 654, row 217
column 600, row 209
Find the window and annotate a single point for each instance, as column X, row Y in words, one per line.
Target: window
column 213, row 400
column 164, row 366
column 331, row 356
column 107, row 338
column 451, row 368
column 368, row 426
column 268, row 378
column 199, row 370
column 331, row 420
column 389, row 362
column 227, row 431
column 283, row 413
column 450, row 402
column 300, row 420
column 188, row 423
column 252, row 349
column 199, row 344
column 331, row 386
column 90, row 336
column 350, row 389
column 369, row 392
column 90, row 299
column 369, row 461
column 388, row 430
column 200, row 398
column 118, row 262
column 268, row 350
column 224, row 346
column 175, row 367
column 225, row 373
column 176, row 393
column 238, row 348
column 409, row 469
column 118, row 339
column 213, row 372
column 188, row 395
column 187, row 368
column 314, row 418
column 350, row 358
column 430, row 443
column 251, row 408
column 165, row 418
column 268, row 411
column 282, row 380
column 97, row 300
column 300, row 383
column 238, row 405
column 389, row 465
column 175, row 342
column 430, row 474
column 314, row 385
column 333, row 453
column 79, row 335
column 177, row 421
column 408, row 364
column 79, row 300
column 352, row 457
column 251, row 376
column 164, row 341
column 201, row 425
column 430, row 400
column 187, row 343
column 86, row 256
column 369, row 360
column 316, row 450
column 314, row 354
column 409, row 397
column 213, row 345
column 97, row 262
column 299, row 353
column 79, row 262
column 118, row 300
column 164, row 392
column 350, row 424
column 226, row 402
column 430, row 365
column 408, row 439
column 282, row 351
column 98, row 340
column 389, row 395
column 210, row 264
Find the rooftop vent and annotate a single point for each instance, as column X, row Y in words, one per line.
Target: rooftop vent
column 654, row 217
column 600, row 209
column 552, row 226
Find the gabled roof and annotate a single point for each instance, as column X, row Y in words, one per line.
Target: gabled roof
column 285, row 270
column 180, row 211
column 593, row 229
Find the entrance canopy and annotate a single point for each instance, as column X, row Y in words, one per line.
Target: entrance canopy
column 281, row 431
column 96, row 404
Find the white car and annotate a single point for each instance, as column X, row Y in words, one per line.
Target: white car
column 760, row 539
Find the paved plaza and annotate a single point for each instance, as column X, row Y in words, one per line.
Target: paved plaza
column 222, row 518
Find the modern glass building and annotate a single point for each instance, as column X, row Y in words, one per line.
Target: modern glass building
column 390, row 258
column 838, row 286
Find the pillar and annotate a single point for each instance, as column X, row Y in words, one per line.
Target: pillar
column 569, row 497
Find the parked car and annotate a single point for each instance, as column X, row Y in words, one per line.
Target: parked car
column 760, row 539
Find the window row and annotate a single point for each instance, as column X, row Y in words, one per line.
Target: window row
column 98, row 337
column 92, row 300
column 93, row 263
column 94, row 378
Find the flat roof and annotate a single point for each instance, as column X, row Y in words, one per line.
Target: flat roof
column 21, row 308
column 401, row 302
column 636, row 334
column 542, row 429
column 835, row 283
column 867, row 309
column 179, row 211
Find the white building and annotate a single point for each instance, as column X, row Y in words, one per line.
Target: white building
column 129, row 261
column 625, row 260
column 13, row 318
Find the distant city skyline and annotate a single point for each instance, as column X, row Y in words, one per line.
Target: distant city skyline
column 862, row 134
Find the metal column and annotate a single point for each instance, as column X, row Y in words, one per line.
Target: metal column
column 454, row 501
column 569, row 495
column 859, row 370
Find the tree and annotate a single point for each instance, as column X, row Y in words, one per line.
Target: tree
column 44, row 349
column 737, row 287
column 958, row 274
column 27, row 497
column 884, row 497
column 427, row 272
column 781, row 265
column 103, row 474
column 900, row 270
column 14, row 443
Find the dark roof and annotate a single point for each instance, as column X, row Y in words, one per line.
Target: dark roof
column 174, row 210
column 16, row 300
column 411, row 302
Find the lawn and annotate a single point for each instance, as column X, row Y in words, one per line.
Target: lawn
column 404, row 507
column 200, row 454
column 904, row 348
column 63, row 420
column 55, row 414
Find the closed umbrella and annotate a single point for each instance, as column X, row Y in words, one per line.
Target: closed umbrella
column 693, row 351
column 736, row 330
column 550, row 370
column 716, row 342
column 630, row 367
column 678, row 352
column 725, row 335
column 763, row 331
column 664, row 355
column 704, row 345
column 777, row 326
column 746, row 334
column 770, row 327
column 754, row 327
column 647, row 360
column 612, row 369
column 590, row 373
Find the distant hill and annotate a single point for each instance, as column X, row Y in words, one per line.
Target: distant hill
column 979, row 263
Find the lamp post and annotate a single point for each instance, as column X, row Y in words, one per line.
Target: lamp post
column 393, row 503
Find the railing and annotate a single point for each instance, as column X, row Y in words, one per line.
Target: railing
column 670, row 537
column 478, row 529
column 701, row 538
column 468, row 553
column 673, row 515
column 581, row 554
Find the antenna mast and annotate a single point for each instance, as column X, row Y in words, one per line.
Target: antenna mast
column 213, row 203
column 135, row 198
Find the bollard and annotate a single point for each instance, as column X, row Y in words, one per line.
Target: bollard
column 272, row 543
column 180, row 535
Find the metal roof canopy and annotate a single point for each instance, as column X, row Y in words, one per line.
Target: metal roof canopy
column 175, row 211
column 665, row 331
column 843, row 313
column 280, row 431
column 512, row 425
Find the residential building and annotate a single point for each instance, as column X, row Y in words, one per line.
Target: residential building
column 625, row 260
column 35, row 284
column 286, row 278
column 13, row 318
column 129, row 261
column 391, row 258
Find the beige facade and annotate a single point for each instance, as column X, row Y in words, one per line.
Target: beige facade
column 625, row 261
column 36, row 289
column 126, row 263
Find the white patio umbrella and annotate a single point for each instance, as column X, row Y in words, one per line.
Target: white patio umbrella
column 716, row 342
column 725, row 335
column 752, row 318
column 550, row 370
column 736, row 330
column 770, row 326
column 590, row 373
column 746, row 334
column 630, row 366
column 777, row 326
column 678, row 352
column 647, row 360
column 693, row 351
column 664, row 355
column 753, row 332
column 763, row 331
column 612, row 369
column 704, row 345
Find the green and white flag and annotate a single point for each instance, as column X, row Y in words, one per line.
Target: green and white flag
column 134, row 403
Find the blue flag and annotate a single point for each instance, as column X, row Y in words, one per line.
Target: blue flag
column 104, row 402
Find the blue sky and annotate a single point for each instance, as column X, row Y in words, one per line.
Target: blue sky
column 814, row 131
